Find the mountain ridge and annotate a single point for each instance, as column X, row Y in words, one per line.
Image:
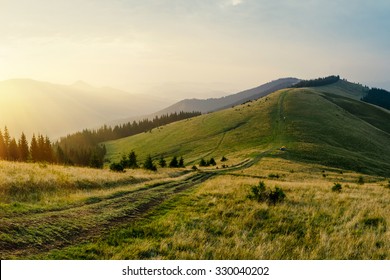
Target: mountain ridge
column 215, row 104
column 326, row 125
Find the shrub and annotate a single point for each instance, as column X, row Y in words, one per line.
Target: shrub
column 272, row 175
column 276, row 196
column 224, row 159
column 258, row 192
column 336, row 187
column 212, row 162
column 117, row 167
column 194, row 167
column 261, row 194
column 361, row 180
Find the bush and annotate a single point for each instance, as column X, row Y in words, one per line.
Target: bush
column 272, row 175
column 276, row 196
column 336, row 187
column 361, row 180
column 117, row 167
column 224, row 159
column 261, row 194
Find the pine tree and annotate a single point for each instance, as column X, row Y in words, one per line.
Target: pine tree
column 162, row 162
column 3, row 149
column 47, row 150
column 202, row 162
column 124, row 162
column 132, row 162
column 34, row 149
column 41, row 148
column 149, row 164
column 181, row 162
column 13, row 152
column 174, row 163
column 23, row 148
column 96, row 161
column 7, row 140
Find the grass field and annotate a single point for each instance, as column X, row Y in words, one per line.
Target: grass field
column 324, row 125
column 216, row 220
column 55, row 212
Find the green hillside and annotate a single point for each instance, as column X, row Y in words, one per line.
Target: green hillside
column 326, row 125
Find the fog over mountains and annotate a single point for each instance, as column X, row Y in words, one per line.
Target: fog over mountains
column 57, row 110
column 40, row 107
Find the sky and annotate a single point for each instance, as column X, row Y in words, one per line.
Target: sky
column 179, row 48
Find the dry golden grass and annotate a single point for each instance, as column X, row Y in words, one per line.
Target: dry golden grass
column 39, row 183
column 218, row 221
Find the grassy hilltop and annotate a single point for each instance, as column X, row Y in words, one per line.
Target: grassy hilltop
column 326, row 125
column 334, row 174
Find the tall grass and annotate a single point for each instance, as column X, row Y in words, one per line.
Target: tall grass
column 45, row 184
column 218, row 221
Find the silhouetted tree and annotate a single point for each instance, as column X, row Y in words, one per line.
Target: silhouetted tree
column 34, row 149
column 7, row 139
column 379, row 97
column 317, row 82
column 3, row 148
column 13, row 153
column 47, row 150
column 23, row 148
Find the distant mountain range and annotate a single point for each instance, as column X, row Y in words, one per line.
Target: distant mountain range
column 56, row 110
column 215, row 104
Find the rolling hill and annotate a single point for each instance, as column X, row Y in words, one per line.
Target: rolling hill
column 326, row 125
column 55, row 110
column 215, row 104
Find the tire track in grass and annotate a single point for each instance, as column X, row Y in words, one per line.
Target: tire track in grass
column 25, row 236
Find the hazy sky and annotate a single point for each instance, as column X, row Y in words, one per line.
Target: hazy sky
column 165, row 47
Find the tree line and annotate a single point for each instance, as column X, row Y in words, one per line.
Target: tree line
column 84, row 148
column 130, row 161
column 317, row 82
column 39, row 150
column 378, row 97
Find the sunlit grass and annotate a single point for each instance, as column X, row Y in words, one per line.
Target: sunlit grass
column 218, row 221
column 45, row 184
